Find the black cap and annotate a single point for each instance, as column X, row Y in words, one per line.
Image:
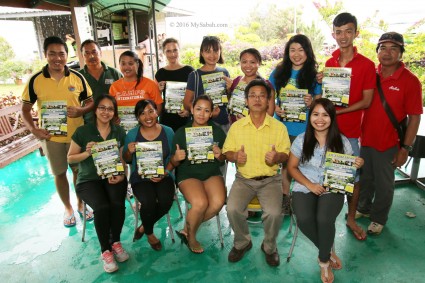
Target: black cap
column 391, row 37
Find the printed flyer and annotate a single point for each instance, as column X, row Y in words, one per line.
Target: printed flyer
column 106, row 158
column 54, row 117
column 336, row 85
column 215, row 87
column 149, row 159
column 127, row 119
column 340, row 173
column 292, row 102
column 199, row 141
column 237, row 103
column 174, row 95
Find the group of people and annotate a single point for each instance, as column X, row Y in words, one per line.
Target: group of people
column 258, row 143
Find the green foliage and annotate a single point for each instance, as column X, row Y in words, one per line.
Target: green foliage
column 14, row 69
column 190, row 56
column 6, row 51
column 329, row 11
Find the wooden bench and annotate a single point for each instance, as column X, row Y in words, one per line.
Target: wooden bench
column 10, row 126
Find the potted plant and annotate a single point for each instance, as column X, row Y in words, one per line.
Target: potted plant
column 14, row 69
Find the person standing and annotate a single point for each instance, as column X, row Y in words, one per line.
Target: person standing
column 99, row 76
column 176, row 72
column 257, row 144
column 57, row 82
column 349, row 118
column 382, row 149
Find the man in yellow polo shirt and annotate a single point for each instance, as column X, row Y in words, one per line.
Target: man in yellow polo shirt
column 257, row 144
column 61, row 92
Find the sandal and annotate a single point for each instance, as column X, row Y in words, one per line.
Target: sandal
column 326, row 272
column 335, row 261
column 183, row 236
column 69, row 221
column 358, row 232
column 196, row 250
column 89, row 214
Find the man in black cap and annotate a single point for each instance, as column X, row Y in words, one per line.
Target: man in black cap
column 382, row 149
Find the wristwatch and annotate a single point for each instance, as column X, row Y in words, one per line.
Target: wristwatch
column 409, row 148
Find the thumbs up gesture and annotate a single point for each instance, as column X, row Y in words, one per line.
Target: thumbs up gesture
column 241, row 156
column 271, row 157
column 180, row 154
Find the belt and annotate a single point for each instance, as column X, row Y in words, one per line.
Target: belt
column 259, row 178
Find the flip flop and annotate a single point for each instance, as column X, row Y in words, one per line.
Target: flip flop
column 183, row 236
column 335, row 261
column 89, row 214
column 69, row 221
column 196, row 250
column 358, row 233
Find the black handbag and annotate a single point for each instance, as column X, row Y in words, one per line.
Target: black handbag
column 400, row 127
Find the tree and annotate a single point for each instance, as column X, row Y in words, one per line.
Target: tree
column 6, row 51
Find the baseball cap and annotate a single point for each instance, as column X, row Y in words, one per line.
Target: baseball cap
column 393, row 37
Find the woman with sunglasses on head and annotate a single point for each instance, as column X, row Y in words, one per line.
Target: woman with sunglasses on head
column 105, row 196
column 174, row 71
column 315, row 208
column 210, row 54
column 155, row 194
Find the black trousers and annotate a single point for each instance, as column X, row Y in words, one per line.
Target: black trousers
column 156, row 200
column 108, row 203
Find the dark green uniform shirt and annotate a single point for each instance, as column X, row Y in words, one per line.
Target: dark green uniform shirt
column 101, row 86
column 88, row 133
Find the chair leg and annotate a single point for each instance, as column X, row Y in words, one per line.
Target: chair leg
column 170, row 228
column 220, row 234
column 294, row 238
column 84, row 222
column 178, row 204
column 136, row 216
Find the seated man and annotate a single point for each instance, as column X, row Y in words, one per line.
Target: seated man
column 257, row 144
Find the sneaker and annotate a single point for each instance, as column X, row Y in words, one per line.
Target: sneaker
column 109, row 263
column 286, row 205
column 375, row 228
column 120, row 254
column 360, row 215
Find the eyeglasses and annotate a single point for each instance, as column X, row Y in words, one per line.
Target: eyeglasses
column 255, row 97
column 106, row 109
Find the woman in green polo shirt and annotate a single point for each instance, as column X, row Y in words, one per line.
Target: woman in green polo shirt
column 106, row 196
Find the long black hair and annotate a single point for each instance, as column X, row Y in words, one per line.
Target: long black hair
column 333, row 138
column 138, row 61
column 307, row 74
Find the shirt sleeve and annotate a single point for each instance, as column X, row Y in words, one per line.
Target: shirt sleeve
column 191, row 81
column 272, row 80
column 296, row 148
column 229, row 143
column 347, row 146
column 78, row 138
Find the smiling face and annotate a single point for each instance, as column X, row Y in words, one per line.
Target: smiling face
column 389, row 54
column 171, row 51
column 92, row 55
column 249, row 65
column 257, row 100
column 128, row 67
column 202, row 112
column 105, row 111
column 345, row 35
column 148, row 117
column 56, row 57
column 210, row 56
column 320, row 119
column 297, row 55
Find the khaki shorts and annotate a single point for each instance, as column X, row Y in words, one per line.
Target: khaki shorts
column 57, row 153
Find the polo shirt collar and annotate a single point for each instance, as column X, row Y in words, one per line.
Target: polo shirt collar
column 397, row 73
column 93, row 127
column 266, row 122
column 105, row 67
column 337, row 53
column 46, row 73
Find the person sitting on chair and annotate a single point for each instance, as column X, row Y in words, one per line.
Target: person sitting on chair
column 202, row 184
column 257, row 144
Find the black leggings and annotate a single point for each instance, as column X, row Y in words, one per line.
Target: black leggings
column 108, row 203
column 156, row 200
column 316, row 217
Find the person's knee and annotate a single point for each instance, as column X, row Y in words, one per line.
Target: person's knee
column 199, row 205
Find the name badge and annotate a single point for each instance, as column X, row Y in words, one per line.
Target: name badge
column 108, row 81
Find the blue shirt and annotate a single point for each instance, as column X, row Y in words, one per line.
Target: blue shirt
column 313, row 169
column 294, row 128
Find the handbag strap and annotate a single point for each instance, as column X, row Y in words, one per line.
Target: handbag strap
column 388, row 110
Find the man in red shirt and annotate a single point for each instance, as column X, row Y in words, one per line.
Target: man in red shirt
column 381, row 148
column 349, row 118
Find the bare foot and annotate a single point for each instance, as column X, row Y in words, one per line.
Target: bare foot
column 357, row 231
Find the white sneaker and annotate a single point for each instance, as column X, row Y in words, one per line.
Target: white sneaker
column 360, row 215
column 109, row 263
column 375, row 228
column 120, row 254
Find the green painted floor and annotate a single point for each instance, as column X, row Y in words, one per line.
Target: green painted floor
column 35, row 247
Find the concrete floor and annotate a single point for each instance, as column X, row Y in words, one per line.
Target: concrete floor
column 35, row 247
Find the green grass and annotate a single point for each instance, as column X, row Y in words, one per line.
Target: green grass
column 6, row 89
